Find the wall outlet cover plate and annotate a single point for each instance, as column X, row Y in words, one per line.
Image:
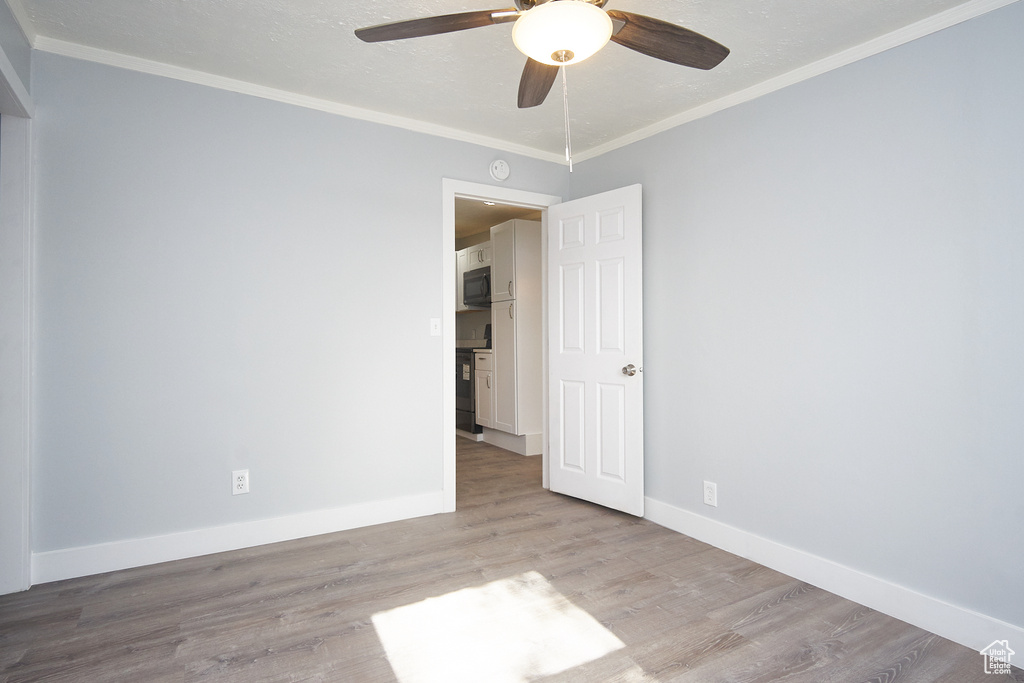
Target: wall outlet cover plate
column 711, row 493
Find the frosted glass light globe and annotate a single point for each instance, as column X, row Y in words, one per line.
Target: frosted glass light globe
column 562, row 32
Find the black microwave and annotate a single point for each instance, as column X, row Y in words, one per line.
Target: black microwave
column 476, row 287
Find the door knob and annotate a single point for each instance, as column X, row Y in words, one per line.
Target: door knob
column 629, row 370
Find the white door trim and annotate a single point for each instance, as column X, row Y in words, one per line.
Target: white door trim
column 450, row 189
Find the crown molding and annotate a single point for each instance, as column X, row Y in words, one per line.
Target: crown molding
column 938, row 22
column 116, row 59
column 911, row 32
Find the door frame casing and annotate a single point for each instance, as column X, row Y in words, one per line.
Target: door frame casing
column 450, row 189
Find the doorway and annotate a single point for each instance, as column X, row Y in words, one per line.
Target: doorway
column 470, row 197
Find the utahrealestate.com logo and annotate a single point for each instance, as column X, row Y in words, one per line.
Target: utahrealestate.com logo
column 997, row 657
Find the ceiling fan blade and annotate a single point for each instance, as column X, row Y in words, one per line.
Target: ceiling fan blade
column 662, row 40
column 536, row 83
column 430, row 26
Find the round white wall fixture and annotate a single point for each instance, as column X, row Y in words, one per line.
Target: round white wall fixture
column 499, row 169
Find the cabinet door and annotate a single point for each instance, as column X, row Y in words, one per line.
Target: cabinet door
column 503, row 261
column 484, row 404
column 503, row 343
column 479, row 256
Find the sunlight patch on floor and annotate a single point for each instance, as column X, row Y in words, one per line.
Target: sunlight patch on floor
column 508, row 631
column 634, row 675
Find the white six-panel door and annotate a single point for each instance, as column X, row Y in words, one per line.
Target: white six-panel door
column 595, row 349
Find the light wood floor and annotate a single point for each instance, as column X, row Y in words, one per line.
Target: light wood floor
column 301, row 610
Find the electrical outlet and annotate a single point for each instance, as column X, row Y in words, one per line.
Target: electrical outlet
column 239, row 482
column 711, row 493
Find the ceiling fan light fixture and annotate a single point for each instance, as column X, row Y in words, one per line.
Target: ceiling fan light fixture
column 562, row 32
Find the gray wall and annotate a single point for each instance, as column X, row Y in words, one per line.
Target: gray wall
column 834, row 313
column 14, row 45
column 15, row 303
column 833, row 298
column 225, row 282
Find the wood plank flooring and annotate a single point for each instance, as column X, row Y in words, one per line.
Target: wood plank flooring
column 303, row 610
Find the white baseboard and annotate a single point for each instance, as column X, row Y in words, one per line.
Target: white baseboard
column 528, row 444
column 69, row 563
column 958, row 624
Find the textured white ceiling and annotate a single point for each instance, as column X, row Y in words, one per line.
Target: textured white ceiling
column 468, row 80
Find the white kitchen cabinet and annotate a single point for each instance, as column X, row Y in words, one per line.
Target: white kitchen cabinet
column 478, row 256
column 484, row 389
column 503, row 340
column 503, row 264
column 516, row 327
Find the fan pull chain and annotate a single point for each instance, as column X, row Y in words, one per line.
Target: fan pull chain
column 565, row 107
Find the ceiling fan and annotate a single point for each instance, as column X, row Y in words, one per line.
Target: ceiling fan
column 555, row 33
